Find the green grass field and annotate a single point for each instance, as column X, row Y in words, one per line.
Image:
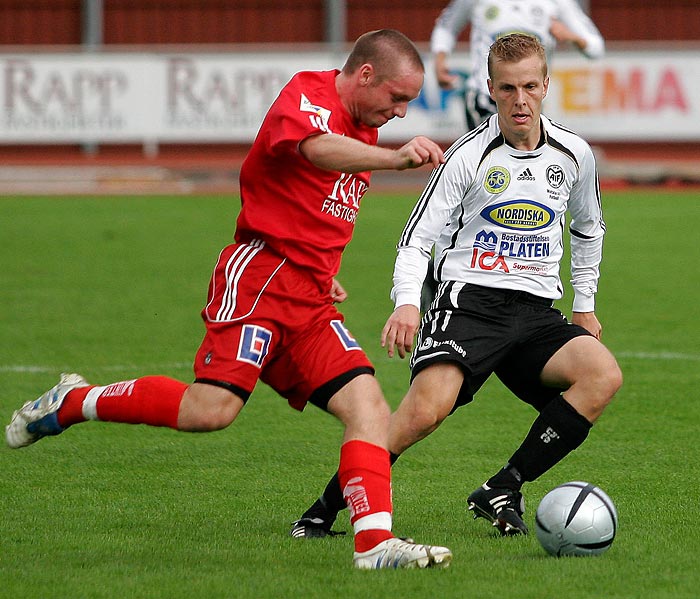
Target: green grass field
column 112, row 288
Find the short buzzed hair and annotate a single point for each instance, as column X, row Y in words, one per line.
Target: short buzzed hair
column 384, row 49
column 514, row 48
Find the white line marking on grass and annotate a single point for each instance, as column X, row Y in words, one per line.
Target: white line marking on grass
column 36, row 369
column 664, row 355
column 31, row 369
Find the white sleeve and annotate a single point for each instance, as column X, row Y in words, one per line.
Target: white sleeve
column 410, row 269
column 572, row 15
column 449, row 24
column 587, row 230
column 433, row 209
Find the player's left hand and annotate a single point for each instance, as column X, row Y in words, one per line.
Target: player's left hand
column 588, row 321
column 338, row 293
column 400, row 329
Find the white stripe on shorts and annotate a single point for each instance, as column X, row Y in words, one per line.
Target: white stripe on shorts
column 234, row 270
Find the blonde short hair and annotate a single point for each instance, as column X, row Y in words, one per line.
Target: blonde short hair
column 514, row 48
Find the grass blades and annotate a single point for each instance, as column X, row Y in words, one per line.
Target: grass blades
column 112, row 287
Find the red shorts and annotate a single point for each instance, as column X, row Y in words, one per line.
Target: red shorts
column 266, row 319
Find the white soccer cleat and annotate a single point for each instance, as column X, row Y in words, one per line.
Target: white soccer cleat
column 397, row 553
column 37, row 418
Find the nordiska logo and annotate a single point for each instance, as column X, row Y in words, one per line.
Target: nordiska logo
column 519, row 215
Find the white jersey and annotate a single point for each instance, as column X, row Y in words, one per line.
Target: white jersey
column 491, row 19
column 495, row 217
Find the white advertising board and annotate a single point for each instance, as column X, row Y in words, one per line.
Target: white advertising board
column 222, row 97
column 630, row 96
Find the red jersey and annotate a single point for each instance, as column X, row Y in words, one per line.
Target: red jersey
column 304, row 213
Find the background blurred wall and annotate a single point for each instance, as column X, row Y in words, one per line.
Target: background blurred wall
column 89, row 30
column 29, row 22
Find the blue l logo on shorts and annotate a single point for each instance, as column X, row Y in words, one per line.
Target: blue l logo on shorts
column 344, row 335
column 254, row 344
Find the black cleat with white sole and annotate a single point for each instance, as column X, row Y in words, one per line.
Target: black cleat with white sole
column 313, row 528
column 502, row 507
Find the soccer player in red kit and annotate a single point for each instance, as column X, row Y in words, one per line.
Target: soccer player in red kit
column 270, row 313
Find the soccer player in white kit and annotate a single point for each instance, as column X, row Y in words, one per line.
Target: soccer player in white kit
column 550, row 21
column 504, row 191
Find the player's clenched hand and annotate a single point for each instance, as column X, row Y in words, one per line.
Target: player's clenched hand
column 400, row 329
column 338, row 293
column 419, row 151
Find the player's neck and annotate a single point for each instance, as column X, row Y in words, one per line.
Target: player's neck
column 526, row 142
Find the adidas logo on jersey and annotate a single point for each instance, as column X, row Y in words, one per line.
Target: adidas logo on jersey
column 526, row 175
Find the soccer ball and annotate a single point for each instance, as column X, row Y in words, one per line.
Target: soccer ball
column 576, row 518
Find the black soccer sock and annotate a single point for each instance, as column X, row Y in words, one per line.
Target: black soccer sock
column 556, row 432
column 507, row 478
column 332, row 501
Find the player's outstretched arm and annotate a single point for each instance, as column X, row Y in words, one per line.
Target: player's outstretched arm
column 345, row 154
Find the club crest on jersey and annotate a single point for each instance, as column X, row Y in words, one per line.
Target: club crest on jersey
column 348, row 341
column 555, row 175
column 519, row 215
column 254, row 344
column 497, row 179
column 320, row 116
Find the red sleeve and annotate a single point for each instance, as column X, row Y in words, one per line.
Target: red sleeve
column 294, row 117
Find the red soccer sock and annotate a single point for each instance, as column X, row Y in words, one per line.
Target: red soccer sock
column 153, row 400
column 365, row 478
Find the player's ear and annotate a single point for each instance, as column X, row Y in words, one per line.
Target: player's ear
column 366, row 74
column 490, row 86
column 545, row 86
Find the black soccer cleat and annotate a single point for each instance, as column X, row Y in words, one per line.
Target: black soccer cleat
column 313, row 528
column 316, row 522
column 502, row 507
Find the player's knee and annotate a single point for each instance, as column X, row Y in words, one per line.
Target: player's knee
column 360, row 402
column 610, row 380
column 602, row 385
column 615, row 379
column 430, row 417
column 218, row 415
column 375, row 406
column 424, row 416
column 208, row 408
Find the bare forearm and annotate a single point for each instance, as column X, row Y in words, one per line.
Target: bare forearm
column 348, row 155
column 339, row 153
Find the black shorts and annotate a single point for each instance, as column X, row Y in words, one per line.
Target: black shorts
column 485, row 331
